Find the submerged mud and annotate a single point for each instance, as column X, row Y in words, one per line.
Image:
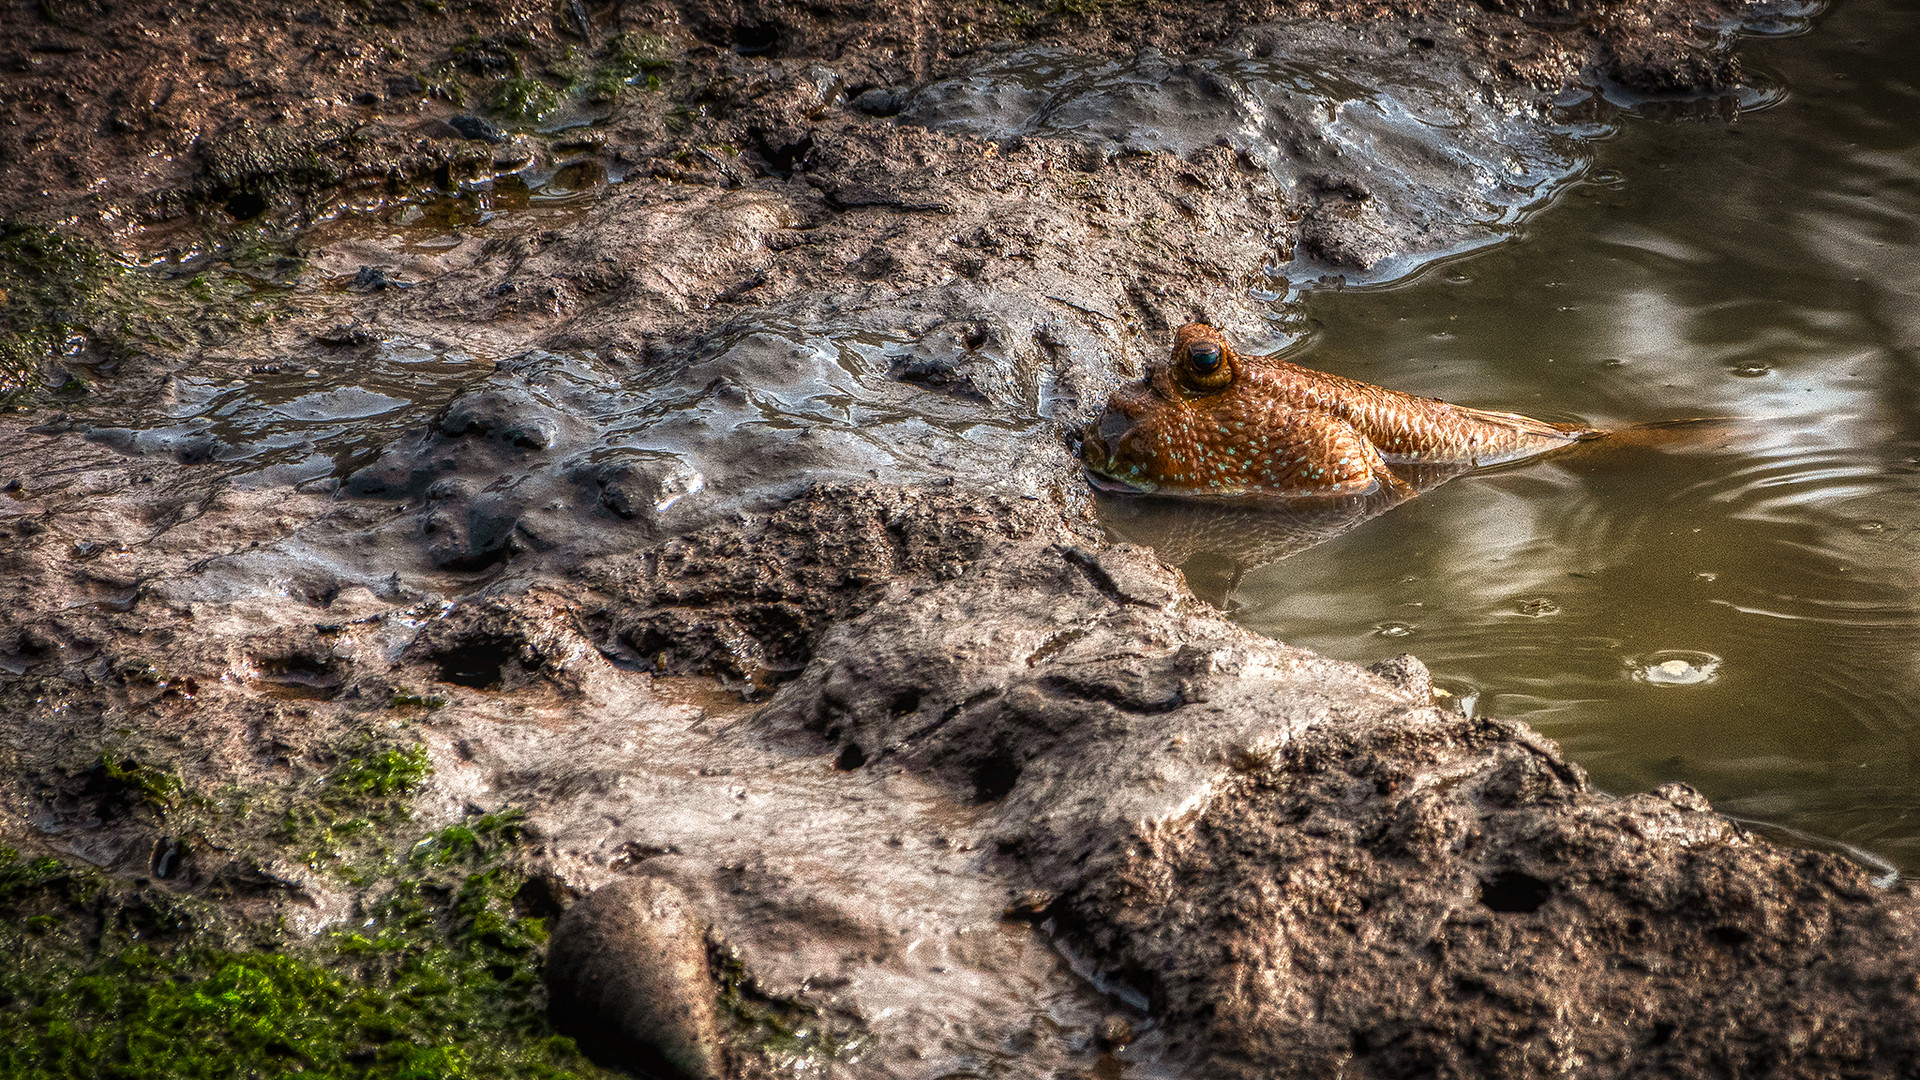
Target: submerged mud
column 677, row 456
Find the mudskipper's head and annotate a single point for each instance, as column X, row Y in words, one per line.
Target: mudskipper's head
column 1162, row 433
column 1208, row 421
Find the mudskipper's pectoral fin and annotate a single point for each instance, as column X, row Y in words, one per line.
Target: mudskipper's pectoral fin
column 1315, row 454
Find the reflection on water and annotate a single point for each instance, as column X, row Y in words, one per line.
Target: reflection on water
column 1216, row 541
column 1745, row 619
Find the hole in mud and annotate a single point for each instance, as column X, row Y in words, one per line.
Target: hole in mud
column 1730, row 935
column 543, row 897
column 785, row 159
column 994, row 777
column 753, row 39
column 905, row 702
column 1511, row 890
column 166, row 858
column 851, row 757
column 476, row 664
column 301, row 676
column 246, row 206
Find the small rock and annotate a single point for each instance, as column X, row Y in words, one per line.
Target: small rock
column 404, row 86
column 1406, row 672
column 477, row 127
column 879, row 101
column 1683, row 796
column 630, row 962
column 375, row 279
column 198, row 449
column 345, row 334
column 1030, row 905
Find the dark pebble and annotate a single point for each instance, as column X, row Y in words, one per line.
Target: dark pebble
column 374, row 279
column 879, row 101
column 630, row 960
column 477, row 127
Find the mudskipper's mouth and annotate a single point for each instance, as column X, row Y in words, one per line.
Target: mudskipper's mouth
column 1101, row 481
column 1096, row 459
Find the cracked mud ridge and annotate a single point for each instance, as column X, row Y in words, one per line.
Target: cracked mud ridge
column 544, row 539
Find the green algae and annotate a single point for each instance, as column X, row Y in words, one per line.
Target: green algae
column 437, row 977
column 627, row 60
column 634, row 54
column 341, row 823
column 20, row 878
column 156, row 788
column 474, row 840
column 404, row 698
column 53, row 289
column 65, row 302
column 524, row 99
column 383, row 772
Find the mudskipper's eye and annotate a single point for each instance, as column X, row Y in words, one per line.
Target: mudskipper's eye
column 1206, row 368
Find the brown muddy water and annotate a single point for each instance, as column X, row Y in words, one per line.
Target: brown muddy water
column 1744, row 619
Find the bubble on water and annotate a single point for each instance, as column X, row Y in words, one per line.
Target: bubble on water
column 1675, row 667
column 1536, row 606
column 1751, row 370
column 1393, row 629
column 1870, row 526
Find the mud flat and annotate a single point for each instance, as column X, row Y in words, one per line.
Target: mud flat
column 467, row 456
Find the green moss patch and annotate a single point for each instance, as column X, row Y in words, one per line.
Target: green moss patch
column 342, row 822
column 65, row 301
column 380, row 773
column 53, row 288
column 635, row 54
column 524, row 99
column 437, row 976
column 138, row 781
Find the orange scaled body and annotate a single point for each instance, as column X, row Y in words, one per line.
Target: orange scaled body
column 1208, row 421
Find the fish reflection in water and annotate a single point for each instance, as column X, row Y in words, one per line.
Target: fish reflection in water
column 1216, row 541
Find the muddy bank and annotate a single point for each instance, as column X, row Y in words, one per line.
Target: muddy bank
column 116, row 117
column 557, row 445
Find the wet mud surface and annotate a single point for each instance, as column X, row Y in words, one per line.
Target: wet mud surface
column 654, row 421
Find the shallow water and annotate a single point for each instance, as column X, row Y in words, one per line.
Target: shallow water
column 1744, row 619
